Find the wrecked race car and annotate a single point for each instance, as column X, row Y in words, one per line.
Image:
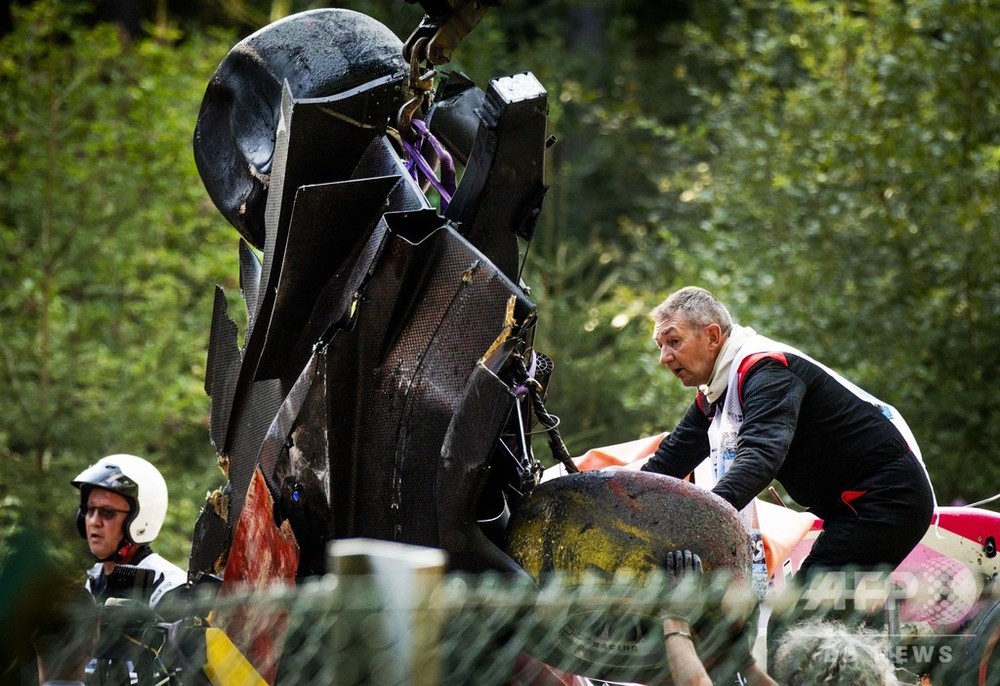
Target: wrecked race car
column 386, row 385
column 387, row 382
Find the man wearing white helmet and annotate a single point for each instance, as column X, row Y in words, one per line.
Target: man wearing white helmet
column 123, row 502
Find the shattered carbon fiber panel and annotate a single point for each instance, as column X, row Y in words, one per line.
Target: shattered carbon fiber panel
column 470, row 471
column 222, row 368
column 323, row 146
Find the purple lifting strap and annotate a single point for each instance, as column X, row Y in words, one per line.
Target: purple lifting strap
column 418, row 165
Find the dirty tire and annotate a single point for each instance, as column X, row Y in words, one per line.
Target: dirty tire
column 602, row 523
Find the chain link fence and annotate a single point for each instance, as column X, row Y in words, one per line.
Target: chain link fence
column 391, row 615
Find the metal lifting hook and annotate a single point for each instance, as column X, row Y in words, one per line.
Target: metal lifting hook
column 421, row 85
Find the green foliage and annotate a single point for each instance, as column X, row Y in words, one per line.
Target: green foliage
column 846, row 195
column 112, row 247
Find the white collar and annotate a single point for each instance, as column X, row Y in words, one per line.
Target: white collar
column 719, row 380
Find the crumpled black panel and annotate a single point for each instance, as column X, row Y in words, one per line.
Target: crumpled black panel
column 381, row 159
column 318, row 141
column 484, row 409
column 333, row 222
column 250, row 270
column 430, row 311
column 454, row 116
column 210, row 538
column 336, row 301
column 330, row 219
column 221, row 368
column 295, row 462
column 253, row 411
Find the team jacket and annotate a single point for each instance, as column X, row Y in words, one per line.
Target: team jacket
column 800, row 426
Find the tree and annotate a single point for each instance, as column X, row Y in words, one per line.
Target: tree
column 845, row 184
column 111, row 247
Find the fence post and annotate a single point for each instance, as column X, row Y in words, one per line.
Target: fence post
column 392, row 632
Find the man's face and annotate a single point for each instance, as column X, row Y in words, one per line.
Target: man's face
column 105, row 535
column 688, row 351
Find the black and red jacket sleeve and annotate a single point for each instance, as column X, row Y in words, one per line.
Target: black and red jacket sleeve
column 685, row 447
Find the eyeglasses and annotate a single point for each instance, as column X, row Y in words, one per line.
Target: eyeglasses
column 105, row 513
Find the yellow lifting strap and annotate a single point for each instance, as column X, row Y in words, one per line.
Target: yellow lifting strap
column 225, row 664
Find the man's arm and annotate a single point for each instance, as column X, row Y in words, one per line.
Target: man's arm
column 772, row 398
column 755, row 676
column 686, row 668
column 684, row 448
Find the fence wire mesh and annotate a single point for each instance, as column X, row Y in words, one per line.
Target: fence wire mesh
column 421, row 626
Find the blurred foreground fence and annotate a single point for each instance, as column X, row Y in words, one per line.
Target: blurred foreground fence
column 388, row 614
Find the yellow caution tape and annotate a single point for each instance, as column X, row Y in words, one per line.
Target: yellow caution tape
column 225, row 665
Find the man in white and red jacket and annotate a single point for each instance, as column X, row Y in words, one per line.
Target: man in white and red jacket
column 766, row 411
column 123, row 503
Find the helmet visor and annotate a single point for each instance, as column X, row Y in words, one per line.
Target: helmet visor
column 109, row 477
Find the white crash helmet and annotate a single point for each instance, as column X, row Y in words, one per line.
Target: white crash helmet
column 137, row 481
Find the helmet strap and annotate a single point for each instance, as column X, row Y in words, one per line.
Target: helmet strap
column 125, row 552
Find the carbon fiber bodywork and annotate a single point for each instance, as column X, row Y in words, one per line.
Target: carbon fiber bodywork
column 375, row 386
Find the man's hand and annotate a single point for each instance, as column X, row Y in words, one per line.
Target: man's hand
column 681, row 563
column 684, row 603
